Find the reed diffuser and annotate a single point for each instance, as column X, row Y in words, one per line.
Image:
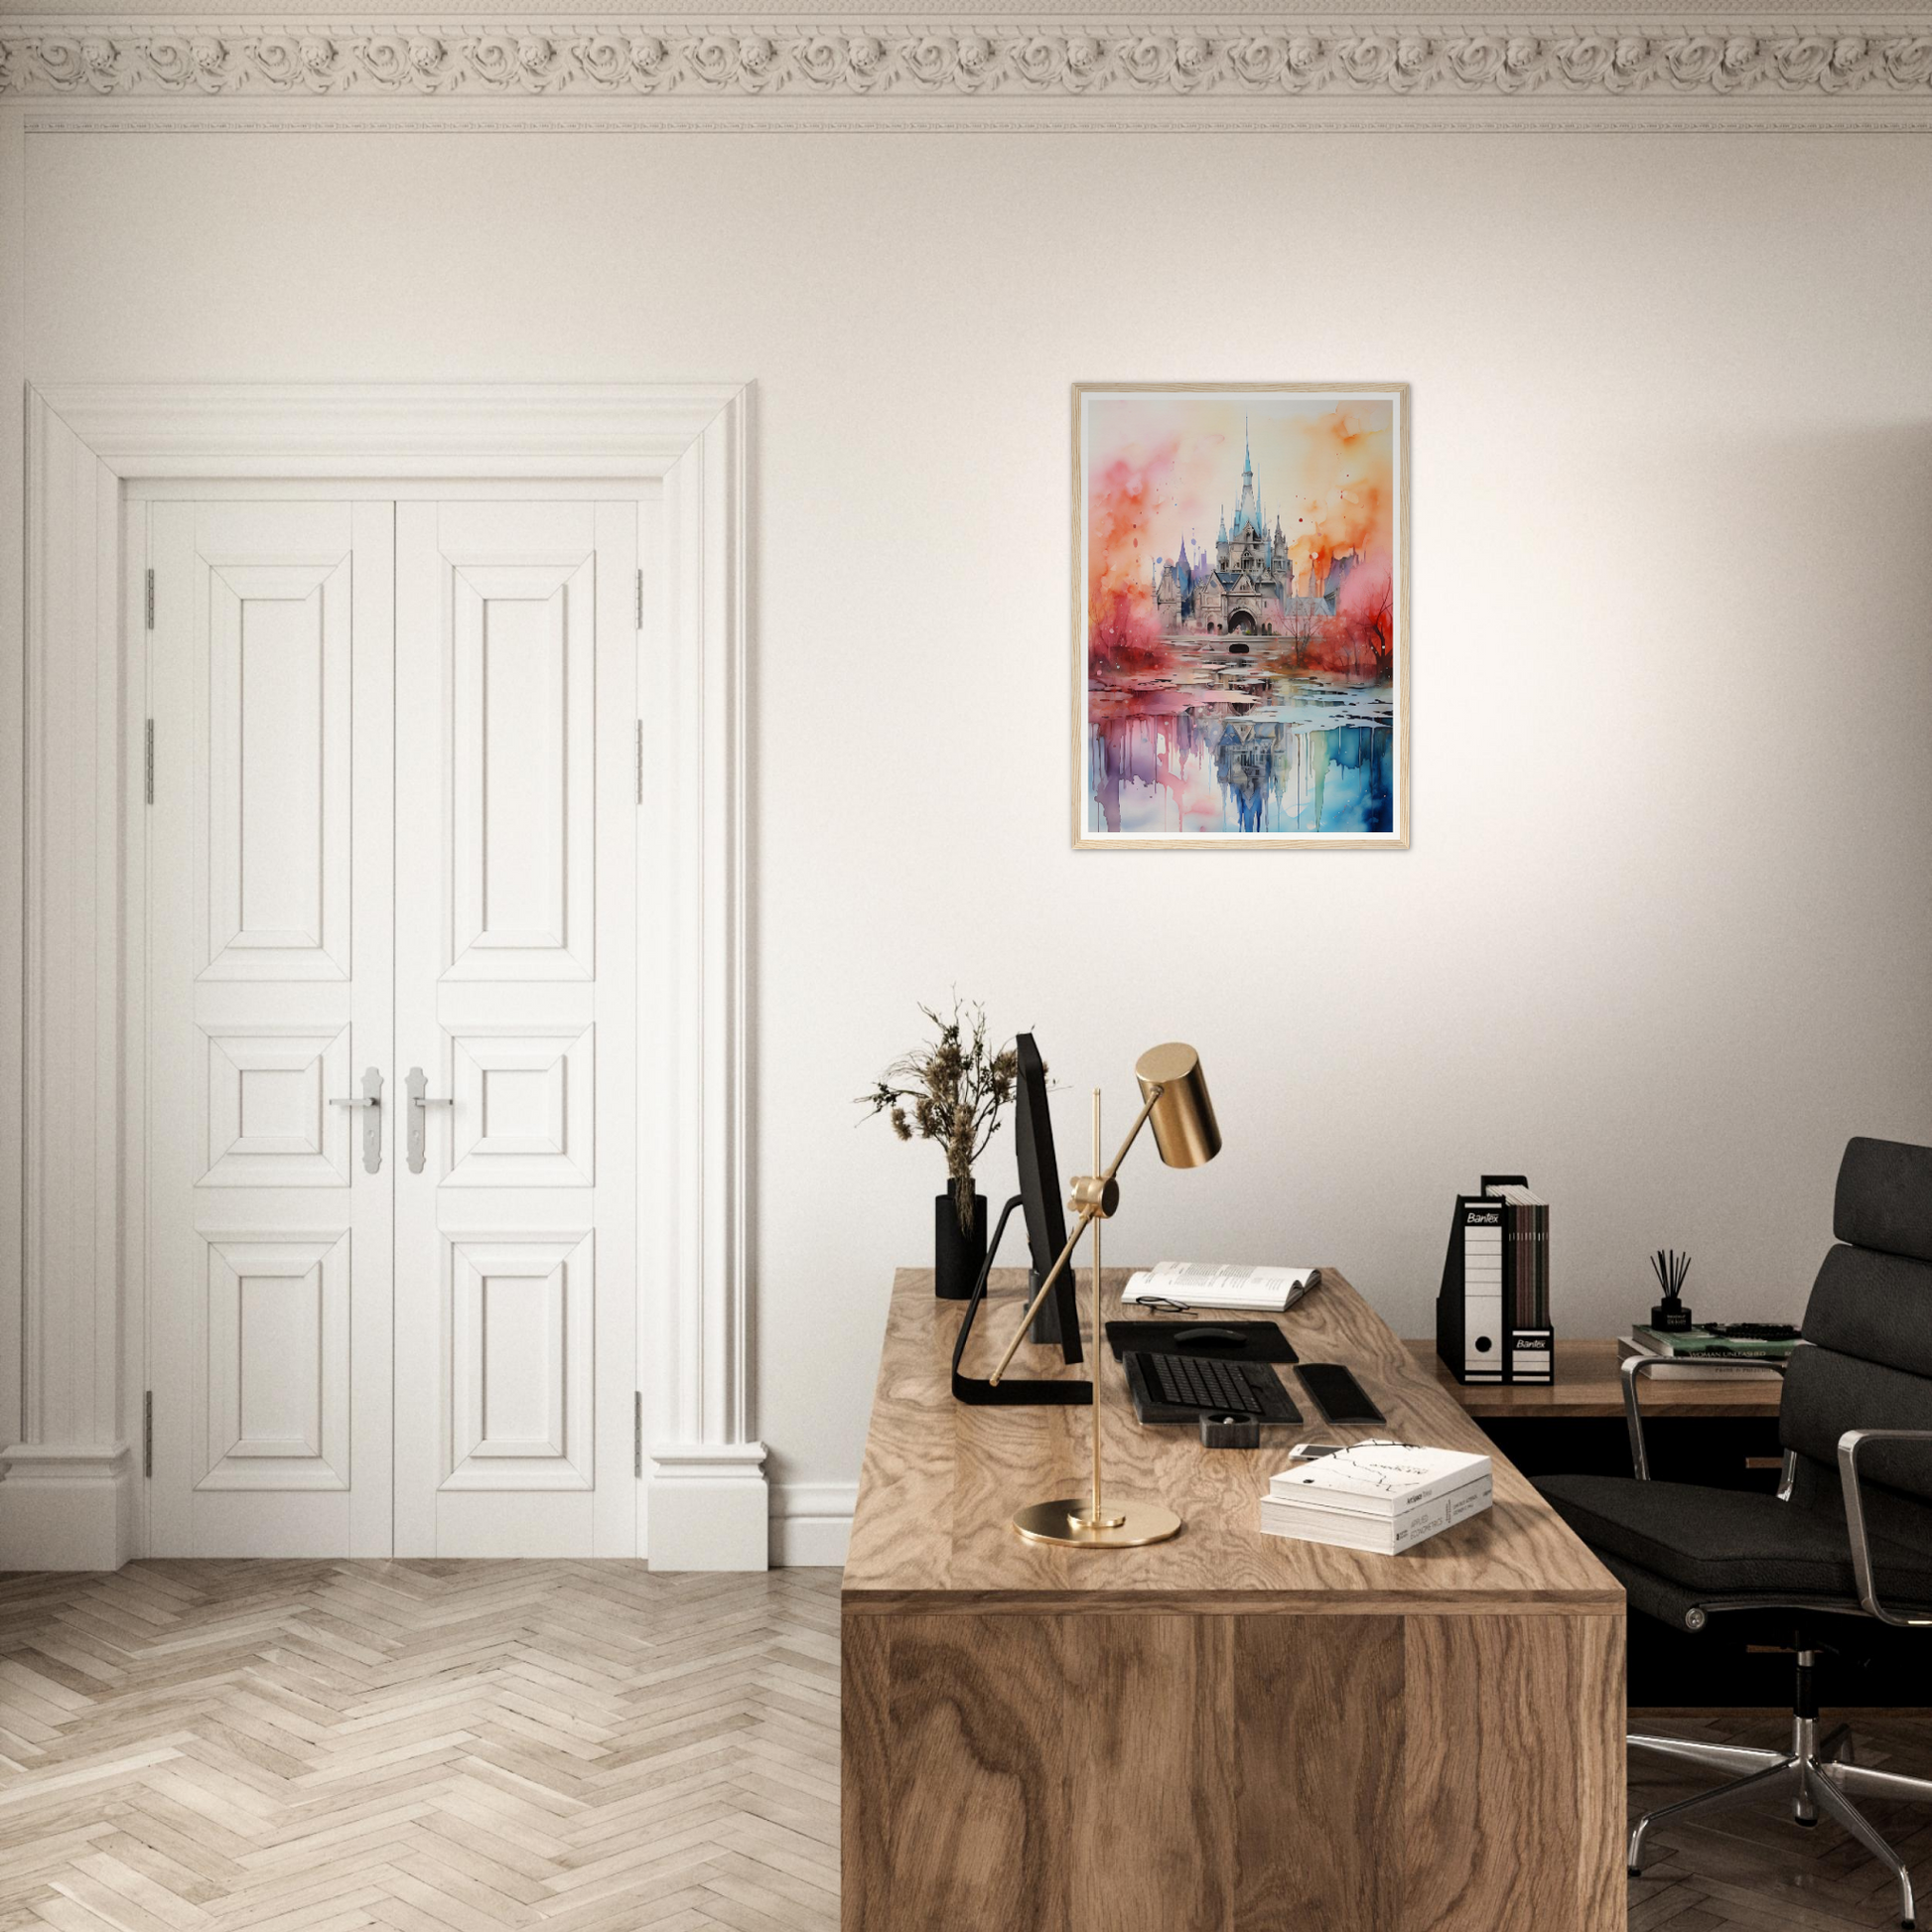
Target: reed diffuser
column 1669, row 1268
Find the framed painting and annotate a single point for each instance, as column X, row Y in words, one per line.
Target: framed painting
column 1241, row 614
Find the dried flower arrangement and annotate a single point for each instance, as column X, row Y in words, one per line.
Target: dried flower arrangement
column 950, row 1091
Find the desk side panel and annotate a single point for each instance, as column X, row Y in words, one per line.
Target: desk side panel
column 1513, row 1773
column 865, row 1770
column 956, row 1778
column 1154, row 1772
column 1317, row 1749
column 1150, row 1704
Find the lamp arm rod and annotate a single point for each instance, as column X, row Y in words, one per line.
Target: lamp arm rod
column 1032, row 1307
column 1087, row 1216
column 1132, row 1132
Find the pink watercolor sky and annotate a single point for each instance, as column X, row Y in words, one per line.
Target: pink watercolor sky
column 1325, row 465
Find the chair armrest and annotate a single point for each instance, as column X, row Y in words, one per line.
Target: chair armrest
column 1849, row 1445
column 1635, row 1365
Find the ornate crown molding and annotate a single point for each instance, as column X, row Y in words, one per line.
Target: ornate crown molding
column 1173, row 63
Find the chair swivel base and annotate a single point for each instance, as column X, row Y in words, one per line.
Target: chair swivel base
column 1818, row 1774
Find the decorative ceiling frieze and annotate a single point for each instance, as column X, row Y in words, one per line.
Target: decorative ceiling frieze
column 1180, row 59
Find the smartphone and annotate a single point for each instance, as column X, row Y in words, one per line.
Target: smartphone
column 1337, row 1393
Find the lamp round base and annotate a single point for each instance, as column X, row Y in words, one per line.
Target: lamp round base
column 1062, row 1521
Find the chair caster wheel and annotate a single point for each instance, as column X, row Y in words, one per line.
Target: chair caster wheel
column 1634, row 1871
column 1807, row 1823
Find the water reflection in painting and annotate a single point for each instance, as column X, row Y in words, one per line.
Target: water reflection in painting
column 1241, row 653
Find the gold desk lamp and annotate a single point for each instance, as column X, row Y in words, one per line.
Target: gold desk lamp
column 1174, row 1099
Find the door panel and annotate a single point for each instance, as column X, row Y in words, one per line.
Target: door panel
column 270, row 993
column 278, row 790
column 521, row 1328
column 515, row 1242
column 525, row 1107
column 521, row 770
column 278, row 1394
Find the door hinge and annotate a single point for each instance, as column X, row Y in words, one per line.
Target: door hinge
column 149, row 600
column 637, row 1433
column 640, row 761
column 148, row 761
column 147, row 1434
column 640, row 597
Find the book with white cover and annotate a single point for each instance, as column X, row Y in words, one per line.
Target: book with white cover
column 1384, row 1535
column 1378, row 1479
column 1212, row 1285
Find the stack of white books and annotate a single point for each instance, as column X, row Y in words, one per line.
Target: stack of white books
column 1214, row 1285
column 1386, row 1497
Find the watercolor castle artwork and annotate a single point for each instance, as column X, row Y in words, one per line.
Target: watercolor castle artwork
column 1241, row 656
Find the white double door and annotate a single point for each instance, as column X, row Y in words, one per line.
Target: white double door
column 391, row 860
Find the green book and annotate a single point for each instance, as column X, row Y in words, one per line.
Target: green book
column 1701, row 1341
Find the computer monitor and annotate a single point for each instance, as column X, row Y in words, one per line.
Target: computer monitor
column 1039, row 1193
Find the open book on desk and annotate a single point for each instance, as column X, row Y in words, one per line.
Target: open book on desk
column 1212, row 1285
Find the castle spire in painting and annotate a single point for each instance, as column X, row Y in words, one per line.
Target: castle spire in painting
column 1247, row 515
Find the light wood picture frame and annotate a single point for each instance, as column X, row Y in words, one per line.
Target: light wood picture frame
column 1241, row 637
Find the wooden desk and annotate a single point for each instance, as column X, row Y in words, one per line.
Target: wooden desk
column 1228, row 1733
column 1587, row 1385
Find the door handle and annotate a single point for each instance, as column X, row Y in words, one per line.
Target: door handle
column 370, row 1098
column 417, row 1081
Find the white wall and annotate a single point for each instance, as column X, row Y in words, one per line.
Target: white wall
column 1662, row 938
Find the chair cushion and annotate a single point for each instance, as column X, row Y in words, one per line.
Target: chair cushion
column 1884, row 1197
column 1876, row 1307
column 1728, row 1542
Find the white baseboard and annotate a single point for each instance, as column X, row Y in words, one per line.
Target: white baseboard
column 811, row 1523
column 73, row 1508
column 66, row 1506
column 710, row 1507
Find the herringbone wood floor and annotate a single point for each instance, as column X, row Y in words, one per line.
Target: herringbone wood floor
column 321, row 1746
column 575, row 1747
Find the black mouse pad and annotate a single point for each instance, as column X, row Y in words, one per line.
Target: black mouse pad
column 1218, row 1341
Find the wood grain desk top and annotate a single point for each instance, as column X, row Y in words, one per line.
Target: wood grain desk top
column 1587, row 1385
column 942, row 1481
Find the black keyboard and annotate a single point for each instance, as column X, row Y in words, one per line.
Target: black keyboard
column 1207, row 1387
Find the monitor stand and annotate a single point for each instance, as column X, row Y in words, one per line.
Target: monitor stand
column 1013, row 1392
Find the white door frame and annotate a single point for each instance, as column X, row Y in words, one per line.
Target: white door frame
column 70, row 1404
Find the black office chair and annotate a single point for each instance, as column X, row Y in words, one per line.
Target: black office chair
column 1849, row 1535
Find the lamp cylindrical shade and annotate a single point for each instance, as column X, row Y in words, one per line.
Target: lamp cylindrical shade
column 1185, row 1128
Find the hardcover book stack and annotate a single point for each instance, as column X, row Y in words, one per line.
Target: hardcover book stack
column 1698, row 1355
column 1384, row 1497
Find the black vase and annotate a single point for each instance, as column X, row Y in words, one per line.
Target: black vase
column 957, row 1258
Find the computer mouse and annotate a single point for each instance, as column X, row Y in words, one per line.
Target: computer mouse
column 1210, row 1337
